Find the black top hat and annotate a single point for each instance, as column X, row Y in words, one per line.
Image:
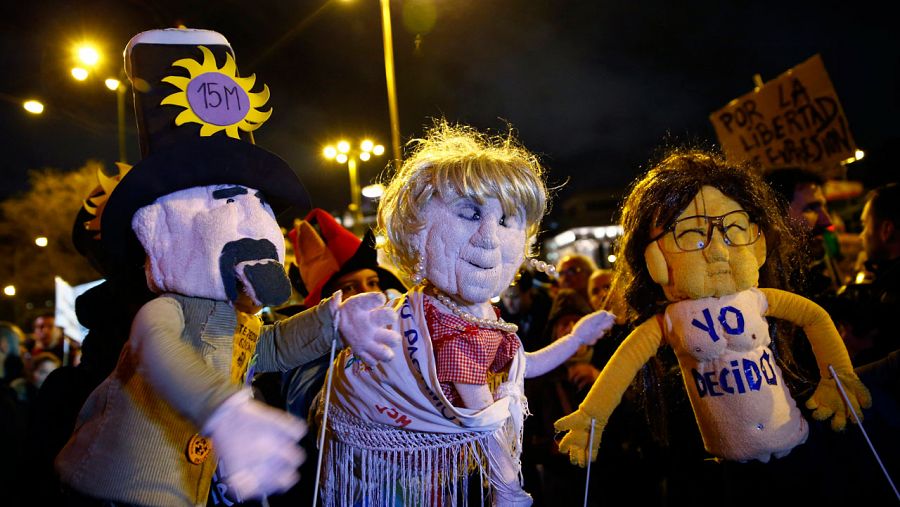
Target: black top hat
column 190, row 115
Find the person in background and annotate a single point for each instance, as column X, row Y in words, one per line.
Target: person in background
column 42, row 364
column 328, row 258
column 867, row 311
column 574, row 271
column 527, row 305
column 13, row 424
column 801, row 192
column 48, row 337
column 550, row 397
column 801, row 195
column 599, row 285
column 11, row 366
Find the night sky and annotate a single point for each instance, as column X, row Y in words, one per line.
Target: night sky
column 596, row 88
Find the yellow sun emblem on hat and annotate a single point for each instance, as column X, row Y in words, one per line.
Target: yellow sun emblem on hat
column 217, row 98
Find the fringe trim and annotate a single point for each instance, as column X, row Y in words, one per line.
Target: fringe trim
column 376, row 465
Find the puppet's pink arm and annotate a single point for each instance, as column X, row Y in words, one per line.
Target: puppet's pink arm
column 587, row 331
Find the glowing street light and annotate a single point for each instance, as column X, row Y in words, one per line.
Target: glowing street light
column 373, row 191
column 33, row 106
column 9, row 290
column 87, row 55
column 41, row 241
column 79, row 73
column 343, row 153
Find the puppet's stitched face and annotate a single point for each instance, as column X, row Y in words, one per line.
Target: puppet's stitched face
column 472, row 250
column 214, row 242
column 716, row 270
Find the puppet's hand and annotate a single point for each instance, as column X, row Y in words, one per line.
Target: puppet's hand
column 257, row 446
column 593, row 326
column 826, row 401
column 575, row 443
column 368, row 326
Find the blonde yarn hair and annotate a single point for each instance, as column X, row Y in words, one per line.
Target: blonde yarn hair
column 458, row 159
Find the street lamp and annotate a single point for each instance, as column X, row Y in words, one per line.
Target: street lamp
column 33, row 106
column 88, row 57
column 387, row 41
column 342, row 153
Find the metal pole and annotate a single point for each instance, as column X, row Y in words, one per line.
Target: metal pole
column 120, row 109
column 388, row 38
column 355, row 204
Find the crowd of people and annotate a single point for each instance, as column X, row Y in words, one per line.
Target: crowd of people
column 701, row 367
column 643, row 455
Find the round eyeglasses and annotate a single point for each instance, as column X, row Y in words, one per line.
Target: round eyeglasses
column 695, row 233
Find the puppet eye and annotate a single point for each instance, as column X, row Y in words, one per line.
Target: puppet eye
column 230, row 200
column 689, row 233
column 473, row 214
column 503, row 220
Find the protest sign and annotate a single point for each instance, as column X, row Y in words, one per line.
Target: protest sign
column 793, row 120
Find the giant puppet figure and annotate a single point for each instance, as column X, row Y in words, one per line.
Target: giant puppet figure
column 702, row 242
column 457, row 218
column 197, row 217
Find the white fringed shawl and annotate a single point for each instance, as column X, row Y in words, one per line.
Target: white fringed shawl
column 392, row 434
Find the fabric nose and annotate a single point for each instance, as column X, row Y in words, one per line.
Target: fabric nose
column 717, row 250
column 487, row 235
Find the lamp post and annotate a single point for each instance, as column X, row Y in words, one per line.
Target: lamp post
column 344, row 153
column 388, row 42
column 87, row 57
column 117, row 86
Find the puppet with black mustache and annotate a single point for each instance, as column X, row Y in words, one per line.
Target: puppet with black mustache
column 197, row 218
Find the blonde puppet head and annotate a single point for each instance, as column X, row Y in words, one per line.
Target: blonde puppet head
column 454, row 160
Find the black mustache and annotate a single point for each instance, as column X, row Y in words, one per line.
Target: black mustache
column 235, row 252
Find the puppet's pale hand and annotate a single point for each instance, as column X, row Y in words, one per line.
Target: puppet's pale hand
column 826, row 401
column 257, row 446
column 368, row 327
column 575, row 443
column 592, row 327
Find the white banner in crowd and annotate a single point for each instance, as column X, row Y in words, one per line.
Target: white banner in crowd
column 65, row 307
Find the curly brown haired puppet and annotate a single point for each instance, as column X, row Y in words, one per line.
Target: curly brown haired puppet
column 701, row 235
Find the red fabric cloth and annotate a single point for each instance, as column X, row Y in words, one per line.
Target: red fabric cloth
column 464, row 352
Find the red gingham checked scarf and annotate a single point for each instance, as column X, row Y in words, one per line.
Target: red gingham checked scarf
column 464, row 352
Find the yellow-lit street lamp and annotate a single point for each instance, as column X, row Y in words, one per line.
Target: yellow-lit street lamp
column 87, row 54
column 80, row 73
column 41, row 241
column 387, row 41
column 33, row 106
column 88, row 57
column 344, row 153
column 9, row 290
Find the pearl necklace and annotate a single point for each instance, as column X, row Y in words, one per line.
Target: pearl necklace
column 500, row 324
